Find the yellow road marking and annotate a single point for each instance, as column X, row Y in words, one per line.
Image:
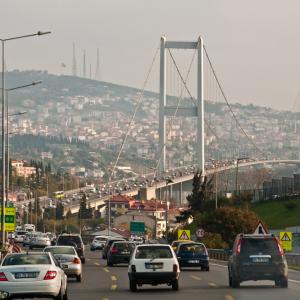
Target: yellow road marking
column 196, row 277
column 114, row 287
column 228, row 297
column 212, row 284
column 97, row 264
column 113, row 278
column 87, row 259
column 104, row 299
column 106, row 270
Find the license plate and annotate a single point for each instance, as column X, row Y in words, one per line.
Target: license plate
column 260, row 259
column 65, row 266
column 125, row 252
column 194, row 261
column 26, row 275
column 154, row 266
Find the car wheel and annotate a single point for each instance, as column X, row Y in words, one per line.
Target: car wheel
column 79, row 278
column 60, row 295
column 109, row 264
column 92, row 249
column 132, row 285
column 235, row 281
column 66, row 297
column 284, row 282
column 83, row 260
column 30, row 247
column 205, row 268
column 230, row 279
column 175, row 285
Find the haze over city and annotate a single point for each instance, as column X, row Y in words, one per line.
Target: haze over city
column 254, row 44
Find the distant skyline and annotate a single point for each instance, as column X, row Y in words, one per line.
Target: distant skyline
column 254, row 44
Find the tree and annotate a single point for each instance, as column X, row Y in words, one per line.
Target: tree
column 59, row 211
column 83, row 211
column 200, row 192
column 228, row 222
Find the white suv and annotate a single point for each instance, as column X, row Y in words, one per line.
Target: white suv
column 153, row 264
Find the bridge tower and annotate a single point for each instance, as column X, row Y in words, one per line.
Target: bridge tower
column 165, row 111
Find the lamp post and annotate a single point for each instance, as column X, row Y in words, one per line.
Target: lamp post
column 236, row 173
column 168, row 181
column 216, row 182
column 39, row 33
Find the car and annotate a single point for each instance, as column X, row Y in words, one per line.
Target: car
column 52, row 237
column 19, row 236
column 137, row 240
column 32, row 275
column 193, row 255
column 74, row 240
column 98, row 242
column 108, row 245
column 29, row 236
column 39, row 241
column 69, row 260
column 257, row 257
column 120, row 252
column 177, row 242
column 153, row 264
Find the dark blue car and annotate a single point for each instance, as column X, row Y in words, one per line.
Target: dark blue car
column 193, row 255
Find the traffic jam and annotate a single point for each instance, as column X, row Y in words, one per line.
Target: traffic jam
column 41, row 265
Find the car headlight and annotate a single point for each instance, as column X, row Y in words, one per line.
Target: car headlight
column 3, row 295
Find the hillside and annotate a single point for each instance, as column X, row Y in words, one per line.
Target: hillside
column 278, row 214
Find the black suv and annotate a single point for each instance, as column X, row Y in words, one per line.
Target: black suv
column 257, row 257
column 119, row 252
column 108, row 244
column 72, row 240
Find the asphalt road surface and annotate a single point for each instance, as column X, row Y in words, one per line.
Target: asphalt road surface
column 111, row 283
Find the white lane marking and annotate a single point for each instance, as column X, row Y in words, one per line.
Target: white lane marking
column 228, row 297
column 217, row 265
column 97, row 264
column 114, row 278
column 212, row 284
column 196, row 277
column 106, row 270
column 294, row 281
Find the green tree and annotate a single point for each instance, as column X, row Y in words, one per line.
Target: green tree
column 59, row 211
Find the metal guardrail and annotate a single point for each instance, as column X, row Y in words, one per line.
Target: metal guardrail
column 293, row 259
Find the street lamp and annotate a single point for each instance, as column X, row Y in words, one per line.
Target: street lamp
column 39, row 33
column 168, row 181
column 237, row 171
column 215, row 164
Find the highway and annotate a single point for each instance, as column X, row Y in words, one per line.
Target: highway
column 111, row 283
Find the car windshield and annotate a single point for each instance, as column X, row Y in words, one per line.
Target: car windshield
column 21, row 232
column 70, row 240
column 26, row 259
column 124, row 246
column 100, row 239
column 61, row 250
column 259, row 246
column 193, row 248
column 152, row 252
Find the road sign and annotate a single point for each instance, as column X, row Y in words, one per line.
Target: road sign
column 286, row 239
column 200, row 233
column 10, row 218
column 184, row 234
column 261, row 229
column 137, row 227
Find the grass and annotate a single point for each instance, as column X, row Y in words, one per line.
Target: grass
column 276, row 214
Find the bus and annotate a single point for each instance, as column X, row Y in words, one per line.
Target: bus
column 58, row 195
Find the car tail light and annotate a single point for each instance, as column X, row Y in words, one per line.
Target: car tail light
column 133, row 268
column 50, row 275
column 76, row 260
column 238, row 246
column 3, row 277
column 279, row 247
column 114, row 250
column 175, row 268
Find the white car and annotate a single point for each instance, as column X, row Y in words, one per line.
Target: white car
column 19, row 236
column 153, row 264
column 68, row 259
column 39, row 241
column 98, row 242
column 29, row 275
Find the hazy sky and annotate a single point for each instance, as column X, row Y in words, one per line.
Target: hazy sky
column 254, row 44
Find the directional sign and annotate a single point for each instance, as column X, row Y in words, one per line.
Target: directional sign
column 10, row 219
column 286, row 239
column 184, row 235
column 137, row 227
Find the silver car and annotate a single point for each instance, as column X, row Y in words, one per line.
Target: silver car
column 39, row 241
column 68, row 259
column 30, row 275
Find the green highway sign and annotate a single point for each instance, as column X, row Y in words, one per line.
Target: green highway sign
column 137, row 227
column 10, row 219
